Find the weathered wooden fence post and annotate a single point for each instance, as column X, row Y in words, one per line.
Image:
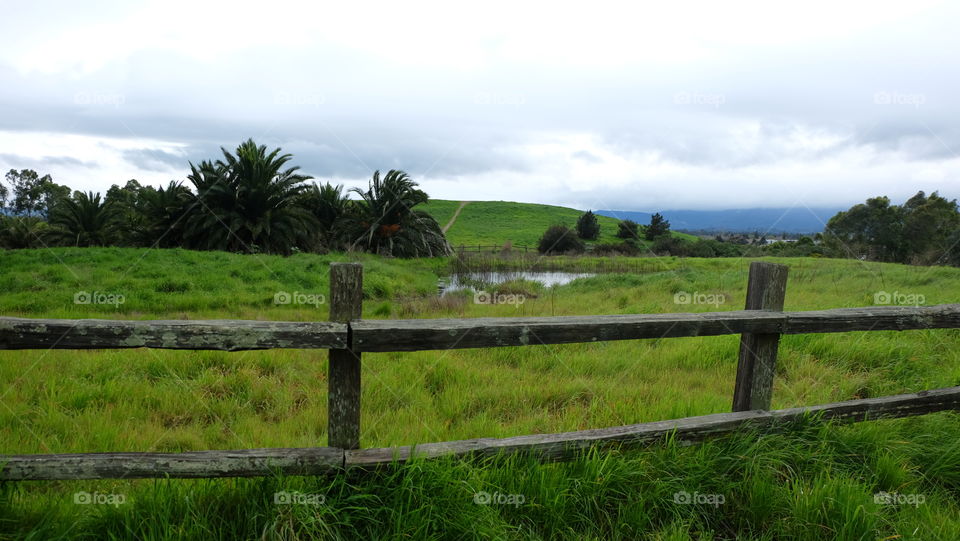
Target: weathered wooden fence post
column 343, row 379
column 766, row 289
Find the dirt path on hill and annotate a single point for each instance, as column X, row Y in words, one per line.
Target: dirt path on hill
column 454, row 217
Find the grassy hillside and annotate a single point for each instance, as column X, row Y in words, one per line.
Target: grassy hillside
column 497, row 222
column 811, row 482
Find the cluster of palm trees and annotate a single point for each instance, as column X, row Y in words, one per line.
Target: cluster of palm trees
column 250, row 201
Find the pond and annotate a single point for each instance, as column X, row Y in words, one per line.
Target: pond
column 467, row 280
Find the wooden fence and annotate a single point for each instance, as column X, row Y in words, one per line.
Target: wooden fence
column 347, row 337
column 494, row 248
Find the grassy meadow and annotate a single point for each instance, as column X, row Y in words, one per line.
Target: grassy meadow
column 497, row 222
column 814, row 481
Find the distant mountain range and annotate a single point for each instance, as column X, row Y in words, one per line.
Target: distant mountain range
column 766, row 220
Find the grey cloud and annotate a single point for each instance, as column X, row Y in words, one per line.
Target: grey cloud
column 38, row 164
column 343, row 113
column 152, row 159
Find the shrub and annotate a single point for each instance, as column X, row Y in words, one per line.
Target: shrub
column 559, row 239
column 670, row 245
column 628, row 229
column 702, row 249
column 616, row 248
column 588, row 227
column 658, row 227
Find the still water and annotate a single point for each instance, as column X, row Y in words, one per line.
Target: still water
column 461, row 281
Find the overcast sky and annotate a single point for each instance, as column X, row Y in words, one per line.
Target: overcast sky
column 669, row 105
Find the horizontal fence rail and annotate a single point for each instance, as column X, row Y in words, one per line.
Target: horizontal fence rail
column 347, row 337
column 220, row 334
column 426, row 334
column 378, row 335
column 322, row 460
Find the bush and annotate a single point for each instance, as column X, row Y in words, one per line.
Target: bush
column 588, row 227
column 616, row 248
column 559, row 239
column 670, row 245
column 658, row 227
column 702, row 249
column 628, row 229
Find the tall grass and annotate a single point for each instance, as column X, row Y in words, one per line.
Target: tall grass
column 813, row 481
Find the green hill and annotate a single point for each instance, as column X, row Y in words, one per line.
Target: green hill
column 497, row 222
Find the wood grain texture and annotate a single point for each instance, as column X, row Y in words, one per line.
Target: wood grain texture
column 239, row 463
column 428, row 334
column 223, row 334
column 756, row 364
column 691, row 429
column 343, row 382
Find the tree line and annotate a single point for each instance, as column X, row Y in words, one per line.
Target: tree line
column 925, row 230
column 250, row 201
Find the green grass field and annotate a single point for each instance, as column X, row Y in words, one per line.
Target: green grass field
column 815, row 481
column 498, row 222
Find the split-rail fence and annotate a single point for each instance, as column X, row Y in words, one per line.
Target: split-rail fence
column 348, row 337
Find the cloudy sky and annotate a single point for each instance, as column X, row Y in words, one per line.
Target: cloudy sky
column 668, row 105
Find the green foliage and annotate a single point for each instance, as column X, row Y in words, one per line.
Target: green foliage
column 627, row 247
column 330, row 207
column 24, row 232
column 805, row 481
column 247, row 202
column 916, row 232
column 669, row 245
column 30, row 194
column 658, row 227
column 952, row 254
column 83, row 220
column 126, row 215
column 385, row 221
column 588, row 228
column 628, row 229
column 521, row 224
column 559, row 239
column 162, row 212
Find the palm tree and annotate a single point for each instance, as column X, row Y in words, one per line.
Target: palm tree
column 23, row 232
column 248, row 202
column 385, row 221
column 163, row 211
column 330, row 206
column 83, row 219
